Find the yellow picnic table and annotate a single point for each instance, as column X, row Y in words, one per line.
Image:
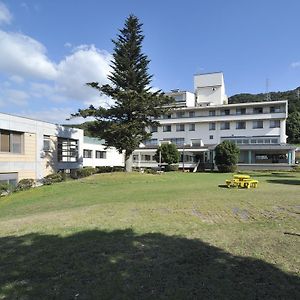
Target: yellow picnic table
column 242, row 181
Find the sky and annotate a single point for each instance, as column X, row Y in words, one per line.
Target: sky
column 49, row 49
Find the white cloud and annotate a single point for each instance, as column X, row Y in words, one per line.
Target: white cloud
column 295, row 64
column 24, row 57
column 52, row 115
column 5, row 15
column 14, row 97
column 16, row 79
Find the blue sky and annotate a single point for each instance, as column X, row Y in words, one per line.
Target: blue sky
column 50, row 48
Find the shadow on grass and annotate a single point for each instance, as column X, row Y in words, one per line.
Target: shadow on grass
column 124, row 265
column 284, row 181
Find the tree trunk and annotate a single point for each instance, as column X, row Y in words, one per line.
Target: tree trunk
column 128, row 162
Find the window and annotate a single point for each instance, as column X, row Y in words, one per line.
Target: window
column 258, row 124
column 225, row 125
column 257, row 110
column 87, row 153
column 241, row 111
column 153, row 128
column 167, row 128
column 211, row 137
column 67, row 150
column 179, row 127
column 225, row 112
column 9, row 178
column 241, row 125
column 151, row 142
column 11, row 141
column 169, row 116
column 180, row 114
column 47, row 143
column 275, row 109
column 101, row 154
column 191, row 127
column 176, row 141
column 274, row 123
column 191, row 114
column 212, row 113
column 212, row 126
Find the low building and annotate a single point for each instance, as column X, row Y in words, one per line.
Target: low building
column 259, row 129
column 33, row 149
column 96, row 154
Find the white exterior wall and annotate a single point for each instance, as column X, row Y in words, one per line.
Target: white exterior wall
column 202, row 120
column 113, row 157
column 210, row 88
column 39, row 129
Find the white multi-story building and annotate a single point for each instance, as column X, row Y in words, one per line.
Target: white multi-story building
column 257, row 128
column 33, row 149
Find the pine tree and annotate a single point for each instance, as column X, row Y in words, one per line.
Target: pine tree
column 124, row 124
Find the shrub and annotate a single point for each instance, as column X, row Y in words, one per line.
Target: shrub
column 6, row 189
column 227, row 156
column 171, row 168
column 106, row 169
column 169, row 154
column 83, row 172
column 53, row 178
column 25, row 184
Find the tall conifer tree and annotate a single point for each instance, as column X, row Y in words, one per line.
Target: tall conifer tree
column 124, row 124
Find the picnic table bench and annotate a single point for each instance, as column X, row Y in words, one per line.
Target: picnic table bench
column 242, row 181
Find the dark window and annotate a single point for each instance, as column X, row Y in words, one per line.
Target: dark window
column 212, row 126
column 87, row 153
column 225, row 125
column 167, row 128
column 212, row 113
column 11, row 141
column 67, row 150
column 257, row 110
column 47, row 143
column 274, row 123
column 258, row 124
column 241, row 111
column 241, row 125
column 180, row 127
column 191, row 127
column 211, row 137
column 101, row 154
column 225, row 112
column 191, row 114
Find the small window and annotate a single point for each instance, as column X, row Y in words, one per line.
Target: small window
column 274, row 123
column 179, row 127
column 212, row 113
column 211, row 137
column 101, row 154
column 212, row 126
column 87, row 153
column 241, row 111
column 257, row 110
column 225, row 112
column 191, row 114
column 225, row 125
column 180, row 114
column 241, row 125
column 275, row 109
column 47, row 141
column 11, row 141
column 167, row 128
column 153, row 128
column 258, row 124
column 191, row 127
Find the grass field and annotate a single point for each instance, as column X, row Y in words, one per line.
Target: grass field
column 139, row 236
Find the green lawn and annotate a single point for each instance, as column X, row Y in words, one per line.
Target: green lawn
column 139, row 236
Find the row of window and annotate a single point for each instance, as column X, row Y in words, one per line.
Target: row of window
column 98, row 154
column 227, row 112
column 257, row 124
column 247, row 141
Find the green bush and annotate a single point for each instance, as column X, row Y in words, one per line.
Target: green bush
column 227, row 156
column 6, row 189
column 53, row 178
column 25, row 184
column 106, row 169
column 83, row 172
column 171, row 168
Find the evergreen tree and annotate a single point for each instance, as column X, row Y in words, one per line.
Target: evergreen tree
column 293, row 127
column 124, row 124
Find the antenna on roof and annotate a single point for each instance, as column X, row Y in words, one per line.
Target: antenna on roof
column 268, row 95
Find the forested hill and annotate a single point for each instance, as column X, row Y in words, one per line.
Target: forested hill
column 291, row 96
